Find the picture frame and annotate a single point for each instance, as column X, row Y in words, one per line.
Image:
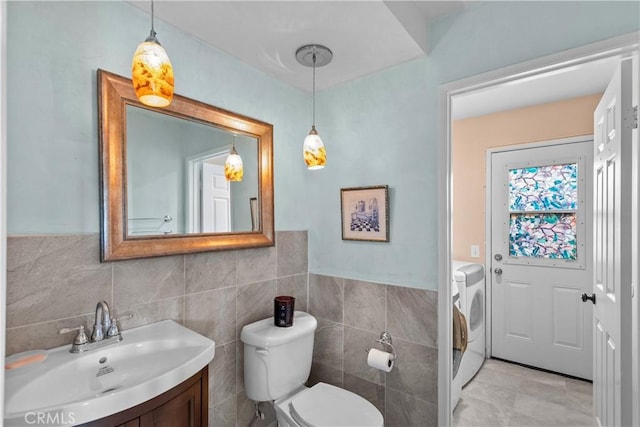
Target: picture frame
column 365, row 213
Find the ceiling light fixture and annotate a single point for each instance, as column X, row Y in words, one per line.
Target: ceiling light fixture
column 233, row 169
column 314, row 55
column 151, row 72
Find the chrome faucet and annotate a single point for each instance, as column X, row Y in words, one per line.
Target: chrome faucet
column 102, row 322
column 105, row 330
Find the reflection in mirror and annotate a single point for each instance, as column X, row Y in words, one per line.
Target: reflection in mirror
column 175, row 176
column 163, row 189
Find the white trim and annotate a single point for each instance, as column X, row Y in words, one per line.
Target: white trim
column 3, row 194
column 445, row 328
column 488, row 214
column 192, row 191
column 617, row 46
column 635, row 244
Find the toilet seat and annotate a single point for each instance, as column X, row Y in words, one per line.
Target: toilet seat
column 325, row 405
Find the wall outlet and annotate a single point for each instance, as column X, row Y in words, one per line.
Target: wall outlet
column 475, row 251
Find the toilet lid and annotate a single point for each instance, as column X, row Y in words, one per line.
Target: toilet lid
column 324, row 405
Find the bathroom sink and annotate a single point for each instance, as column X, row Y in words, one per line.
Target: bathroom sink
column 71, row 388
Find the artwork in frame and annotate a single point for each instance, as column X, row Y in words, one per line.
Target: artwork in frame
column 365, row 213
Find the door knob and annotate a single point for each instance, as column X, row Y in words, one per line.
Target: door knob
column 591, row 297
column 498, row 271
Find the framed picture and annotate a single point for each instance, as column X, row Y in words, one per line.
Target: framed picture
column 365, row 213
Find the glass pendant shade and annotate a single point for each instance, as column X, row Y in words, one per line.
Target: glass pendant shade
column 233, row 169
column 152, row 74
column 313, row 150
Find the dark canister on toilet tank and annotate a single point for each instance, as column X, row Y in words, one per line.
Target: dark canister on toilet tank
column 283, row 307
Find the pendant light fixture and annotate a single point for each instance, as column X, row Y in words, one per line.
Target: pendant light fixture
column 314, row 55
column 151, row 72
column 233, row 169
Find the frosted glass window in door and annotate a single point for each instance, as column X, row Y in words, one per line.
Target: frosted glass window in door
column 544, row 188
column 543, row 202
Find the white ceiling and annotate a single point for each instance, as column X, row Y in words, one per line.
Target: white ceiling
column 365, row 37
column 565, row 83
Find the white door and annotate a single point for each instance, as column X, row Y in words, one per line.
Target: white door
column 541, row 246
column 613, row 224
column 216, row 199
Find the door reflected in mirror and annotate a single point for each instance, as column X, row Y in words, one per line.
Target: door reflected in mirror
column 175, row 176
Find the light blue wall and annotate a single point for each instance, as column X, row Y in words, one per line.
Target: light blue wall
column 382, row 129
column 54, row 50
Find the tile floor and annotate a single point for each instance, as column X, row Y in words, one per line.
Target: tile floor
column 506, row 394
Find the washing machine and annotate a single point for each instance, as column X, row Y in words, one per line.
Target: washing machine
column 470, row 280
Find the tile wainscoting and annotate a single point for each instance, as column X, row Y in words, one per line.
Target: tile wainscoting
column 56, row 281
column 351, row 315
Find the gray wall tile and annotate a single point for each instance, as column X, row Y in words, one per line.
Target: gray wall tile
column 212, row 314
column 239, row 366
column 292, row 252
column 53, row 277
column 415, row 371
column 364, row 305
column 255, row 302
column 172, row 308
column 246, row 412
column 412, row 315
column 137, row 282
column 210, row 270
column 222, row 374
column 327, row 348
column 223, row 414
column 402, row 410
column 356, row 342
column 43, row 336
column 295, row 286
column 256, row 265
column 326, row 297
column 215, row 294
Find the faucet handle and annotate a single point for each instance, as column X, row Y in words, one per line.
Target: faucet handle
column 81, row 336
column 98, row 333
column 113, row 329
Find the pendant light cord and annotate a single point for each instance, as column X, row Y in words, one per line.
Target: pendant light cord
column 314, row 87
column 153, row 31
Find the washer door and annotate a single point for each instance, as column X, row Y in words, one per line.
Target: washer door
column 476, row 314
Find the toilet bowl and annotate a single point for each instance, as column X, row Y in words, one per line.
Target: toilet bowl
column 277, row 363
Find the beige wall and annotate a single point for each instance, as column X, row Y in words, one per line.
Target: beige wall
column 472, row 137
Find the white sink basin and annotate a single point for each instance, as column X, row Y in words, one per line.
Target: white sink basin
column 76, row 388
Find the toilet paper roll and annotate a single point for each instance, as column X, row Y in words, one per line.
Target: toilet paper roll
column 380, row 360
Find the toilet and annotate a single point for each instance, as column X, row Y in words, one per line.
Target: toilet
column 277, row 363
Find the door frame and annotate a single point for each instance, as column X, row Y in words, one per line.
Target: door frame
column 3, row 190
column 621, row 45
column 488, row 316
column 193, row 185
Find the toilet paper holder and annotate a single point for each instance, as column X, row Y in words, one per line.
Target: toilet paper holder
column 386, row 341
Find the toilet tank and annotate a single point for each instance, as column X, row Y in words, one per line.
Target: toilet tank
column 277, row 360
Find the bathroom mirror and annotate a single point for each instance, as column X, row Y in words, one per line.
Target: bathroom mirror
column 163, row 189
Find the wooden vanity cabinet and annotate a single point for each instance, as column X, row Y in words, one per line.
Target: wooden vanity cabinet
column 185, row 405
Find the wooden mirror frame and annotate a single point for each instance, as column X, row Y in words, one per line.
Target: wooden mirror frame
column 114, row 94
